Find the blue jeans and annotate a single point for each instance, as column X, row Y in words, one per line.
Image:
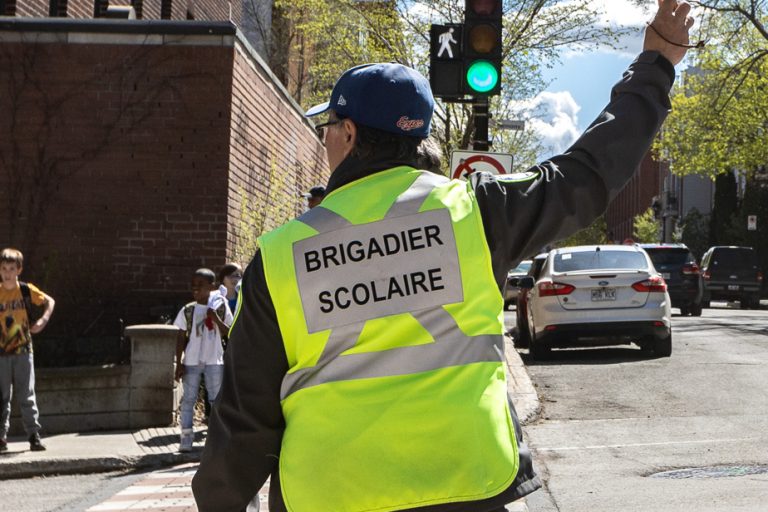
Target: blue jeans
column 213, row 374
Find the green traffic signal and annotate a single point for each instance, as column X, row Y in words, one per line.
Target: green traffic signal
column 482, row 76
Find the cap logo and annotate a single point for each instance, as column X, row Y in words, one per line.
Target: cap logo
column 342, row 101
column 406, row 124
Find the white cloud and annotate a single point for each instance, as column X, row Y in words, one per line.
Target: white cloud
column 620, row 14
column 554, row 118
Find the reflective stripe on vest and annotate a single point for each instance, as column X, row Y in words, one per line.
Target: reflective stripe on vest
column 333, row 366
column 392, row 325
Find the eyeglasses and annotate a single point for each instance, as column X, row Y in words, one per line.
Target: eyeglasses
column 319, row 129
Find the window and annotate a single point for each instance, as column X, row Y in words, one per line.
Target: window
column 599, row 260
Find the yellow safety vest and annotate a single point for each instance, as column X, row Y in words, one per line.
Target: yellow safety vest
column 392, row 323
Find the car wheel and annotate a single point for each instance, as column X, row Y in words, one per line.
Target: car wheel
column 646, row 344
column 539, row 350
column 696, row 310
column 523, row 338
column 705, row 304
column 744, row 302
column 662, row 347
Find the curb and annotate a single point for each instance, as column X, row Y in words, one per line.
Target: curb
column 519, row 385
column 88, row 465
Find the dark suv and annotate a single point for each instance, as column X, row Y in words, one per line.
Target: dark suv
column 678, row 267
column 732, row 273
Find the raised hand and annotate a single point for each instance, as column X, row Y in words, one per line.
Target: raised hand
column 668, row 32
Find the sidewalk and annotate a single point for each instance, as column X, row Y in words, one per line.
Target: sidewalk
column 91, row 452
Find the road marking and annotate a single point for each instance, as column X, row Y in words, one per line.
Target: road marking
column 166, row 490
column 632, row 445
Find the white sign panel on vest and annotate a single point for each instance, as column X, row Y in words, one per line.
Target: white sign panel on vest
column 388, row 267
column 464, row 163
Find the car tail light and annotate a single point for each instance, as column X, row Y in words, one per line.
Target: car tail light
column 760, row 276
column 706, row 275
column 652, row 284
column 550, row 289
column 690, row 269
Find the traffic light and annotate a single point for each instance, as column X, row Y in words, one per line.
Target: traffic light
column 445, row 63
column 481, row 53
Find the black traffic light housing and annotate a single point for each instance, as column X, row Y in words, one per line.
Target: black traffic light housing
column 446, row 72
column 481, row 51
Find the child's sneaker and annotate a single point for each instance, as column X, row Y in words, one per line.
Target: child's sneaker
column 187, row 437
column 35, row 444
column 3, row 445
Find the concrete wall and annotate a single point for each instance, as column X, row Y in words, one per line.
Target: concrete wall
column 142, row 394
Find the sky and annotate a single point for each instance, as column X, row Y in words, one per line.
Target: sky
column 581, row 84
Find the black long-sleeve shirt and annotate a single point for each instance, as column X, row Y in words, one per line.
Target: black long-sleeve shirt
column 551, row 201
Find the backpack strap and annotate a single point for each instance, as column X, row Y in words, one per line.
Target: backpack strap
column 27, row 296
column 189, row 311
column 222, row 312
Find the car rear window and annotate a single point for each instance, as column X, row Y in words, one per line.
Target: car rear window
column 669, row 256
column 734, row 257
column 599, row 260
column 522, row 268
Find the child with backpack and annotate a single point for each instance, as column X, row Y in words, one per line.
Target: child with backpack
column 17, row 369
column 202, row 323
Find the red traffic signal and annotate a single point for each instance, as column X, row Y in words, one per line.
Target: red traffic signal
column 482, row 8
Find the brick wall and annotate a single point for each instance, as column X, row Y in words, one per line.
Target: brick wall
column 205, row 10
column 126, row 149
column 124, row 166
column 635, row 198
column 272, row 146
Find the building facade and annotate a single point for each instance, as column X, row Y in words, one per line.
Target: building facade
column 134, row 152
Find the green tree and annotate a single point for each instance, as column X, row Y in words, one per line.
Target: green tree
column 646, row 227
column 695, row 232
column 724, row 211
column 719, row 111
column 315, row 40
column 755, row 203
column 594, row 234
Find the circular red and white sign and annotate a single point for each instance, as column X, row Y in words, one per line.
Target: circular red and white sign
column 478, row 162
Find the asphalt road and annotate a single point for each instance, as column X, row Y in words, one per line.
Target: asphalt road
column 613, row 421
column 619, row 431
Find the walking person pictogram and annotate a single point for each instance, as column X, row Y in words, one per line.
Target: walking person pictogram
column 445, row 39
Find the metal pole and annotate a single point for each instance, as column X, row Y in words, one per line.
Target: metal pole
column 480, row 114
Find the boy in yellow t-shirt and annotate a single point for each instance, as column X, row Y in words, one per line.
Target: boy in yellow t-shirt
column 17, row 370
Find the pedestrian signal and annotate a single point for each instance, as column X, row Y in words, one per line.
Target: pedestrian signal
column 481, row 53
column 445, row 64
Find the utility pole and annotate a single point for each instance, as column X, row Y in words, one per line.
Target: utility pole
column 480, row 114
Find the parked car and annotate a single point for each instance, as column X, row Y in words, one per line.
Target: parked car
column 678, row 267
column 522, row 337
column 732, row 273
column 604, row 294
column 511, row 289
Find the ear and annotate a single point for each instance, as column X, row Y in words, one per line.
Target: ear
column 349, row 135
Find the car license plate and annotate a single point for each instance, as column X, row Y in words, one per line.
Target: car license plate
column 733, row 287
column 665, row 275
column 603, row 294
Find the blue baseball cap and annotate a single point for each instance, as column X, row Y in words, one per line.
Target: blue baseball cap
column 387, row 96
